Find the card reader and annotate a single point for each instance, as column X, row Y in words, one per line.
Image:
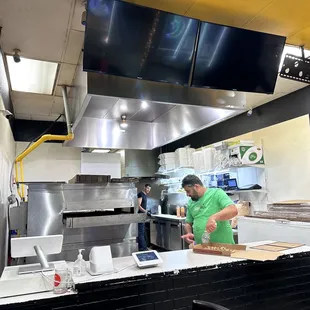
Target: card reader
column 146, row 259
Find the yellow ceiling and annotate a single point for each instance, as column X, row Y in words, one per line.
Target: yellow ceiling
column 290, row 18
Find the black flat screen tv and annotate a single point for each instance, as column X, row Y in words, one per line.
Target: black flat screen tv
column 237, row 59
column 133, row 41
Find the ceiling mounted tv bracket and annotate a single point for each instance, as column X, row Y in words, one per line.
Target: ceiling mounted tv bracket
column 296, row 68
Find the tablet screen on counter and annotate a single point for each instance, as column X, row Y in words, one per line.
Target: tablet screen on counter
column 144, row 257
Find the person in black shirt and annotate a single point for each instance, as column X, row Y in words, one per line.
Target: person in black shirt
column 142, row 204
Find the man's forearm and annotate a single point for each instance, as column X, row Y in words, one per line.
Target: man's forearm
column 188, row 228
column 141, row 209
column 226, row 214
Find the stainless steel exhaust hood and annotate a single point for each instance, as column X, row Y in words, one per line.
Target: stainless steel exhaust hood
column 157, row 113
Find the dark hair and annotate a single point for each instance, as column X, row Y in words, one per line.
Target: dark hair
column 147, row 185
column 191, row 180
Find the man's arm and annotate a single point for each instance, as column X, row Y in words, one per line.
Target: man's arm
column 224, row 215
column 139, row 204
column 189, row 236
column 188, row 228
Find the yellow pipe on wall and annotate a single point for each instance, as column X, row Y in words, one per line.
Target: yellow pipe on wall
column 21, row 156
column 16, row 172
column 42, row 140
column 16, row 179
column 22, row 178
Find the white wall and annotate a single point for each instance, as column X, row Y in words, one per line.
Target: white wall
column 50, row 162
column 7, row 155
column 101, row 164
column 287, row 155
column 54, row 162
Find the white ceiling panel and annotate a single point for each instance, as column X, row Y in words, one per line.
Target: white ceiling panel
column 66, row 74
column 76, row 20
column 57, row 106
column 31, row 106
column 74, row 47
column 58, row 91
column 37, row 27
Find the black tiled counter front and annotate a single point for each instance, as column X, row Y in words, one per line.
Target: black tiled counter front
column 280, row 284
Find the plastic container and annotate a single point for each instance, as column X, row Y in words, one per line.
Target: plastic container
column 184, row 157
column 166, row 155
column 198, row 161
column 182, row 212
column 205, row 238
column 159, row 209
column 208, row 159
column 178, row 209
column 79, row 267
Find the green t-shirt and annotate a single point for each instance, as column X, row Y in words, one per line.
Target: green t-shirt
column 198, row 212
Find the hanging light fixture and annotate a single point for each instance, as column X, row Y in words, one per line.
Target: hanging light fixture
column 123, row 123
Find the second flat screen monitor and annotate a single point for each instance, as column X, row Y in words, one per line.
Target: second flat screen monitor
column 138, row 42
column 237, row 59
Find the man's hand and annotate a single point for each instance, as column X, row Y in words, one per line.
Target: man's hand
column 211, row 225
column 189, row 238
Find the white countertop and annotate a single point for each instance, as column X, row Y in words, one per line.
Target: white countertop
column 172, row 261
column 28, row 286
column 126, row 267
column 169, row 217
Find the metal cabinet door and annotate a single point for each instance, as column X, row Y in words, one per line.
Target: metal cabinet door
column 165, row 234
column 156, row 233
column 175, row 236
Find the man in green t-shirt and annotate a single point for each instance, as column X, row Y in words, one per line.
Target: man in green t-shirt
column 209, row 209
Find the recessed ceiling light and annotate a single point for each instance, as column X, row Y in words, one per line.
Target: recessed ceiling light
column 100, row 151
column 144, row 105
column 32, row 76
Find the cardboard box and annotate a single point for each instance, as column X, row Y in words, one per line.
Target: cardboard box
column 235, row 251
column 218, row 248
column 248, row 155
